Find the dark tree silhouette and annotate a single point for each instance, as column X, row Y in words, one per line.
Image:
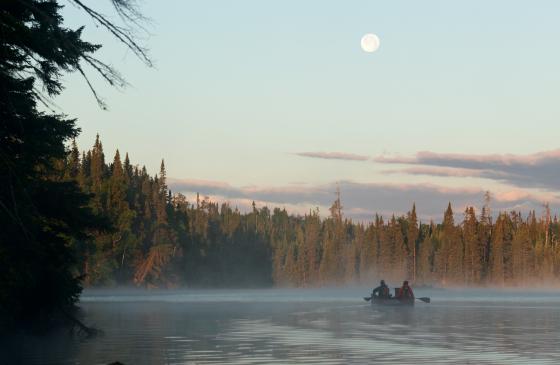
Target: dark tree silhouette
column 43, row 213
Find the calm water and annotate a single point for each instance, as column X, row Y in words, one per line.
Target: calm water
column 304, row 326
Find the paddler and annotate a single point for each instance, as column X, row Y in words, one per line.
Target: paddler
column 382, row 291
column 406, row 292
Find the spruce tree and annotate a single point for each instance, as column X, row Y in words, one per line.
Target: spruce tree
column 411, row 242
column 73, row 162
column 497, row 265
column 473, row 253
column 445, row 255
column 312, row 227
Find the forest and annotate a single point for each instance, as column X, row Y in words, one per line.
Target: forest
column 160, row 239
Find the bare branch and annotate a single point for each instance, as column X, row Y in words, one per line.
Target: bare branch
column 100, row 101
column 111, row 75
column 127, row 11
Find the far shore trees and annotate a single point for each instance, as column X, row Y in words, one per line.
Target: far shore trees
column 162, row 239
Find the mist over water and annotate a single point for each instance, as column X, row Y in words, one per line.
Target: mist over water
column 326, row 326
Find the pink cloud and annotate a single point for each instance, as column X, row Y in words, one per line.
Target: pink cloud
column 436, row 171
column 499, row 159
column 522, row 195
column 447, row 172
column 334, row 156
column 199, row 182
column 397, row 159
column 538, row 170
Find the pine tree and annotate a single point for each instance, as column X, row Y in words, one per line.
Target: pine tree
column 73, row 162
column 521, row 252
column 426, row 254
column 97, row 172
column 399, row 253
column 411, row 242
column 122, row 216
column 334, row 264
column 328, row 269
column 448, row 240
column 497, row 265
column 369, row 254
column 473, row 259
column 385, row 249
column 128, row 171
column 97, row 176
column 312, row 227
column 302, row 270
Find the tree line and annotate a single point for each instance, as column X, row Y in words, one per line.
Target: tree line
column 160, row 239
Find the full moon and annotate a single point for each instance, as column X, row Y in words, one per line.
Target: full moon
column 370, row 42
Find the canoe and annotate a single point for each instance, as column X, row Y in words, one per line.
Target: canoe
column 392, row 302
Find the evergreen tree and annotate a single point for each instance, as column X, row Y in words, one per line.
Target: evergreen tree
column 329, row 262
column 385, row 256
column 521, row 256
column 425, row 267
column 369, row 254
column 447, row 242
column 398, row 255
column 312, row 227
column 499, row 250
column 473, row 259
column 411, row 242
column 73, row 162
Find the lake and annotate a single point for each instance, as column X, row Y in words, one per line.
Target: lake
column 308, row 326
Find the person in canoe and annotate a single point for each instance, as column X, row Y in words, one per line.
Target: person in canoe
column 382, row 291
column 406, row 293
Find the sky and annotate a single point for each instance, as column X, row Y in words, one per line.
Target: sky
column 275, row 101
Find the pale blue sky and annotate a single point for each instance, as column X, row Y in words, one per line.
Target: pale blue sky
column 240, row 87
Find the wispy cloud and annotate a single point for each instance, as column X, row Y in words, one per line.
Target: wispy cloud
column 449, row 172
column 437, row 171
column 362, row 200
column 334, row 156
column 538, row 170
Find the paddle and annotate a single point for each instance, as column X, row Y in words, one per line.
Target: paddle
column 367, row 299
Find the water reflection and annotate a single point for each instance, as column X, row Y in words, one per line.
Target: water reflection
column 448, row 331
